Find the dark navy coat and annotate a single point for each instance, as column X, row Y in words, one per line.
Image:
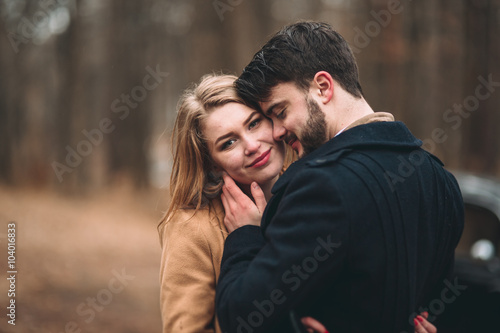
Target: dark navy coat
column 360, row 234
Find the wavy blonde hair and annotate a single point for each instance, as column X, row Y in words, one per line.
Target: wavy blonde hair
column 193, row 184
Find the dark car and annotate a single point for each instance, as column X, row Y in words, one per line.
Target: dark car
column 476, row 307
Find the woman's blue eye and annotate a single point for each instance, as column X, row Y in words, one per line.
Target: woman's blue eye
column 254, row 123
column 227, row 144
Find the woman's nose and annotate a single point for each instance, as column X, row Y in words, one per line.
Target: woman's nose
column 252, row 146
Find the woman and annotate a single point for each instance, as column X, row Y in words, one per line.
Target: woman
column 214, row 132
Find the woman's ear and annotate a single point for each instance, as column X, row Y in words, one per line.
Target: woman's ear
column 217, row 171
column 215, row 175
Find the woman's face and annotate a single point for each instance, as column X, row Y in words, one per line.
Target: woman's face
column 240, row 141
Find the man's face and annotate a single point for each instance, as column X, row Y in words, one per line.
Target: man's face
column 297, row 118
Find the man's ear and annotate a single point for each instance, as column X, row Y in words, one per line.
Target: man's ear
column 322, row 86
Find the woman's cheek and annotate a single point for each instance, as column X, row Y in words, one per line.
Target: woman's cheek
column 267, row 134
column 239, row 178
column 232, row 170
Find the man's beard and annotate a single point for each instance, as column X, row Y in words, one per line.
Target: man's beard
column 314, row 134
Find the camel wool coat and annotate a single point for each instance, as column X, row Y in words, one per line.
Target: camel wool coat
column 192, row 247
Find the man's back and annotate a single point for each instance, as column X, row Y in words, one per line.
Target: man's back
column 359, row 234
column 403, row 216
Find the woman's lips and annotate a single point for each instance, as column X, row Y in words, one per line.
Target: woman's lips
column 261, row 160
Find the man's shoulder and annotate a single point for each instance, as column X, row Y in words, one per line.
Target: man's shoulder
column 374, row 139
column 335, row 164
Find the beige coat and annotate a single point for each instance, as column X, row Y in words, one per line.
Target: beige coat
column 192, row 247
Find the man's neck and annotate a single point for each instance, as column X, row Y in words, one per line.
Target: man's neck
column 352, row 110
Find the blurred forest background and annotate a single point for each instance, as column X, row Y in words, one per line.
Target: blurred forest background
column 88, row 94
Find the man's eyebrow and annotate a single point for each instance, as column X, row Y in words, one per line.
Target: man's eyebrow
column 270, row 109
column 245, row 122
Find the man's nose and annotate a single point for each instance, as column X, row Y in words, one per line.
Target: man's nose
column 279, row 132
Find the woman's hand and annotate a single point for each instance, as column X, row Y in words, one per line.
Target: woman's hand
column 240, row 209
column 312, row 325
column 421, row 325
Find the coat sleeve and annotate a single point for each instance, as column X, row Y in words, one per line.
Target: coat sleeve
column 305, row 247
column 187, row 278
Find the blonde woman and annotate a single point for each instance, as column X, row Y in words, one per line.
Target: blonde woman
column 214, row 132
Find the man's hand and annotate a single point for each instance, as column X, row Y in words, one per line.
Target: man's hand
column 240, row 209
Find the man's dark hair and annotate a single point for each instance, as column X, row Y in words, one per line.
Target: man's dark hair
column 295, row 54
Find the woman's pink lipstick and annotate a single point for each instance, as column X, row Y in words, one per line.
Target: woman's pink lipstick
column 261, row 160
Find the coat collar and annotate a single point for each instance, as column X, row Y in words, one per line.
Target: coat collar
column 385, row 134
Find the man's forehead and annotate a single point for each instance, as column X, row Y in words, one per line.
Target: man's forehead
column 279, row 94
column 264, row 105
column 267, row 106
column 275, row 95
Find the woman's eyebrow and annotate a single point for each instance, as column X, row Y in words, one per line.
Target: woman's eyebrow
column 250, row 117
column 222, row 137
column 245, row 122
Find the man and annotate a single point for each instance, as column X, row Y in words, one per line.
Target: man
column 360, row 232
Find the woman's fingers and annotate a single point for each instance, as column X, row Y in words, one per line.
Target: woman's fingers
column 423, row 326
column 231, row 189
column 239, row 208
column 227, row 221
column 312, row 325
column 258, row 196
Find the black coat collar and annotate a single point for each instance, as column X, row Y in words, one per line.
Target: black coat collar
column 380, row 134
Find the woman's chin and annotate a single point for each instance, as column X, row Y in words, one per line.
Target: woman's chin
column 263, row 179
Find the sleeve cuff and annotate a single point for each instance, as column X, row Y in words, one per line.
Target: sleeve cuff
column 242, row 245
column 245, row 237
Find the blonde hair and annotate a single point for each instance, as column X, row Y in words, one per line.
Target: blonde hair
column 193, row 183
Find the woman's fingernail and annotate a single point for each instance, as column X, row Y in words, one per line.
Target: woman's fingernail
column 255, row 185
column 415, row 322
column 327, row 332
column 426, row 314
column 420, row 319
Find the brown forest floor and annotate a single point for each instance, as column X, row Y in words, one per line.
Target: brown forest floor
column 67, row 252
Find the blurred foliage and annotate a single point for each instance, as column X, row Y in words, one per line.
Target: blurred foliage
column 86, row 101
